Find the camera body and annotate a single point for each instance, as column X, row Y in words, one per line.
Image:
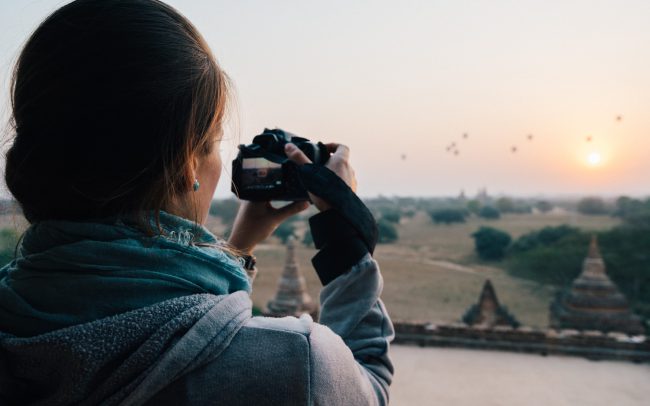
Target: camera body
column 260, row 171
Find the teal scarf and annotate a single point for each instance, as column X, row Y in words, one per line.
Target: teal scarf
column 68, row 273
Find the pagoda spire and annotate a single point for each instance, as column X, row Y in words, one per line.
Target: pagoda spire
column 593, row 266
column 488, row 312
column 594, row 251
column 291, row 298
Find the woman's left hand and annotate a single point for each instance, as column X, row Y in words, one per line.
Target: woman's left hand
column 256, row 221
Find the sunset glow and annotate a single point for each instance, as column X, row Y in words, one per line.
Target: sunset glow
column 436, row 97
column 594, row 159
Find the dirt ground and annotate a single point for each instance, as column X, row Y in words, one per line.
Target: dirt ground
column 442, row 376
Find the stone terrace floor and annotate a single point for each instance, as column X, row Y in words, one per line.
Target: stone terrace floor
column 445, row 376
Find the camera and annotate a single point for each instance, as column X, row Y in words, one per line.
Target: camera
column 261, row 171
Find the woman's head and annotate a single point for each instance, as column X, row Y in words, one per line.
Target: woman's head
column 117, row 105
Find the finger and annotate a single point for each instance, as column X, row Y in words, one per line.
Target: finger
column 291, row 209
column 331, row 146
column 339, row 149
column 295, row 154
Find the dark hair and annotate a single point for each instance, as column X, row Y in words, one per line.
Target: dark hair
column 111, row 99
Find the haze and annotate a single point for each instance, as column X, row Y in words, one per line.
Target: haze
column 399, row 82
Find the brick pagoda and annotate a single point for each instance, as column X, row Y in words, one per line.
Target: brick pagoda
column 291, row 298
column 593, row 301
column 488, row 312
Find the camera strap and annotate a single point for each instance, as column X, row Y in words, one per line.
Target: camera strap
column 324, row 183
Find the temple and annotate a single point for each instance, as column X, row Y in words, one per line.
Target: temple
column 593, row 301
column 488, row 312
column 292, row 298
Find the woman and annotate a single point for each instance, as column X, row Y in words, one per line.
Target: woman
column 118, row 294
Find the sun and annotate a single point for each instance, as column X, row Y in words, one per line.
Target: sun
column 594, row 159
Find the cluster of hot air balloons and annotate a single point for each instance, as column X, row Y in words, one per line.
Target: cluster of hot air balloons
column 453, row 146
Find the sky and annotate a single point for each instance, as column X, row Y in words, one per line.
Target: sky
column 400, row 82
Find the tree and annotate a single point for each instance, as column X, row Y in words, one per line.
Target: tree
column 557, row 263
column 523, row 207
column 387, row 231
column 284, row 231
column 544, row 206
column 226, row 209
column 308, row 239
column 489, row 213
column 474, row 206
column 626, row 206
column 544, row 237
column 592, row 206
column 506, row 205
column 409, row 213
column 491, row 243
column 634, row 212
column 391, row 215
column 448, row 216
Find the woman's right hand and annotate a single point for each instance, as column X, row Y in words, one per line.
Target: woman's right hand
column 339, row 163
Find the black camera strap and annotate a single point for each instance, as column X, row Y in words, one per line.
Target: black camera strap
column 324, row 183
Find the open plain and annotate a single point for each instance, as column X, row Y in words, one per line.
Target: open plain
column 432, row 273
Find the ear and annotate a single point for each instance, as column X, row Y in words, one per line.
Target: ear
column 195, row 165
column 192, row 169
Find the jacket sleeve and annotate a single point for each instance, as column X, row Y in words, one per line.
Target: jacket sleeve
column 349, row 348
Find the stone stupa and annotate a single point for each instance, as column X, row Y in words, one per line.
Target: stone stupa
column 291, row 298
column 488, row 312
column 593, row 302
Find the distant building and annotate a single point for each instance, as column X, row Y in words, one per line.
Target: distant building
column 292, row 298
column 594, row 302
column 462, row 199
column 488, row 312
column 482, row 196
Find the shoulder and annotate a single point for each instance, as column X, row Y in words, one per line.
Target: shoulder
column 314, row 335
column 302, row 325
column 316, row 340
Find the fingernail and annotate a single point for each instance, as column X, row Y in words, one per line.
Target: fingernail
column 289, row 147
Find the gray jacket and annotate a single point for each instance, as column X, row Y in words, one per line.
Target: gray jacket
column 207, row 349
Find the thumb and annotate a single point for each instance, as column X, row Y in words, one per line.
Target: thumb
column 295, row 154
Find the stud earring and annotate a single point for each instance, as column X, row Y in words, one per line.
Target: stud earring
column 196, row 184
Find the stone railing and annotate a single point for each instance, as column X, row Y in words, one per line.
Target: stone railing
column 589, row 344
